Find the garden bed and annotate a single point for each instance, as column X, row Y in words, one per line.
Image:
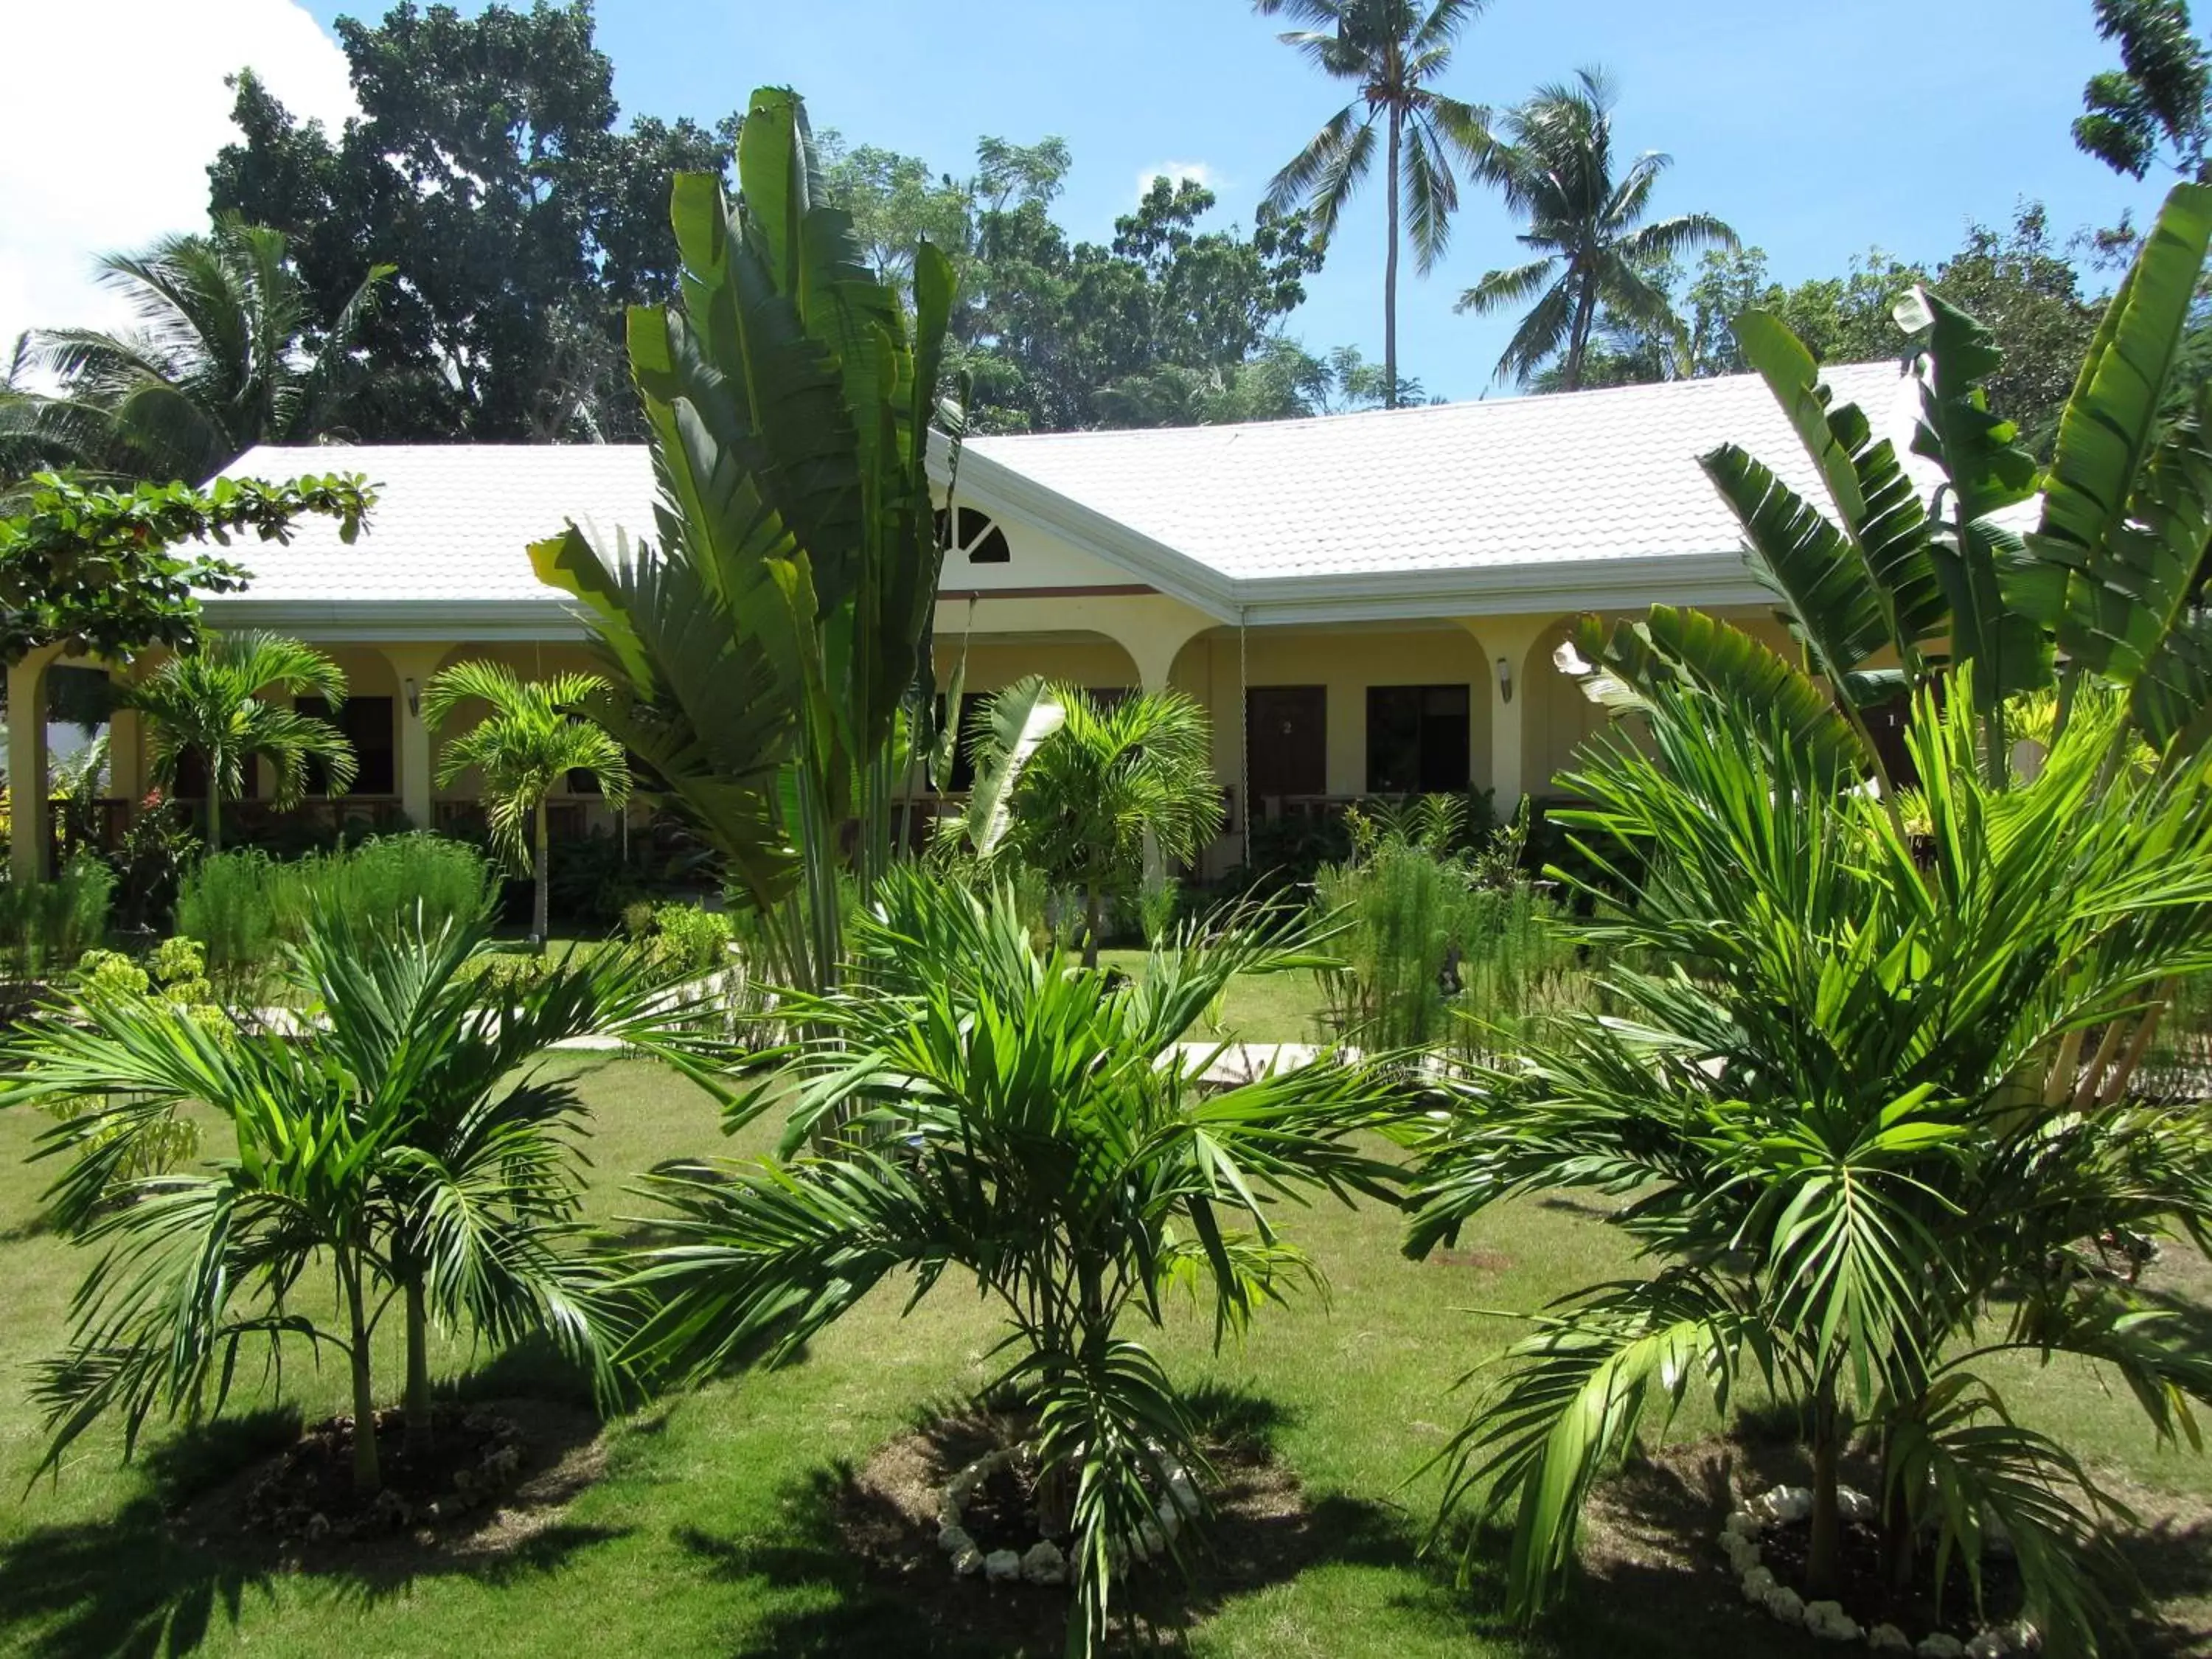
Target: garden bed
column 1259, row 1532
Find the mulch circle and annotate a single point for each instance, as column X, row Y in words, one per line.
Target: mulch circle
column 1257, row 1533
column 491, row 1476
column 468, row 1457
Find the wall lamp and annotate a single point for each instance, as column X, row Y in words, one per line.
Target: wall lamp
column 1505, row 680
column 415, row 697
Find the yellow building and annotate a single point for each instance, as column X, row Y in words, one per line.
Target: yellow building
column 1364, row 604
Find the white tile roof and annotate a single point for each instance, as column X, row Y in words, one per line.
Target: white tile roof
column 451, row 522
column 1593, row 475
column 1505, row 491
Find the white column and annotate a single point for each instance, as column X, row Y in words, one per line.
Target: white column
column 1154, row 652
column 1505, row 642
column 411, row 667
column 30, row 814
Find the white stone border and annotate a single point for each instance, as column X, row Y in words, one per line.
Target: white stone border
column 1044, row 1562
column 1781, row 1506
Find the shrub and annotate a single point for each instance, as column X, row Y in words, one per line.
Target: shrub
column 227, row 905
column 159, row 846
column 1520, row 971
column 112, row 974
column 690, row 938
column 386, row 880
column 46, row 925
column 244, row 906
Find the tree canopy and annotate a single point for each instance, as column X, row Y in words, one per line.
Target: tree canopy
column 2154, row 105
column 2019, row 282
column 486, row 164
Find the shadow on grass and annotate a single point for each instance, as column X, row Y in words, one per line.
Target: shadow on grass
column 154, row 1578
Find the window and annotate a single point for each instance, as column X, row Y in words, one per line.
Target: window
column 366, row 723
column 1286, row 740
column 1417, row 740
column 975, row 535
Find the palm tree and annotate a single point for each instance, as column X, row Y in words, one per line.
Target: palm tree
column 1395, row 53
column 1012, row 1121
column 212, row 704
column 402, row 1143
column 229, row 354
column 524, row 749
column 1087, row 795
column 1553, row 159
column 1862, row 1186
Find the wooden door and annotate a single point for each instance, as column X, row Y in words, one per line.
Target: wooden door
column 1286, row 735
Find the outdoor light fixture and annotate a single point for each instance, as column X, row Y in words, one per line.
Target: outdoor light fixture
column 415, row 699
column 1505, row 680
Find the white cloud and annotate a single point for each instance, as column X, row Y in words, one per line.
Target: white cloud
column 1198, row 172
column 112, row 111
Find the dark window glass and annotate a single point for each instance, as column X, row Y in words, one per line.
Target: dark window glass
column 974, row 532
column 191, row 776
column 1286, row 740
column 366, row 723
column 1417, row 740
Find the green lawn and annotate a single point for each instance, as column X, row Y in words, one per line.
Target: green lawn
column 705, row 1536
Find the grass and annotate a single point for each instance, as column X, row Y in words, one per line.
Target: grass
column 706, row 1535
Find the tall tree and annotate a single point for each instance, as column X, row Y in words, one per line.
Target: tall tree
column 486, row 159
column 231, row 349
column 2157, row 100
column 1395, row 52
column 1555, row 162
column 214, row 705
column 524, row 749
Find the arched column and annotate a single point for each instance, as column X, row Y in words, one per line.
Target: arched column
column 1506, row 642
column 1154, row 649
column 412, row 664
column 30, row 814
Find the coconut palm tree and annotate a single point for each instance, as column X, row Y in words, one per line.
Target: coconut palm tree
column 402, row 1143
column 227, row 354
column 1008, row 1120
column 1085, row 797
column 1393, row 51
column 213, row 704
column 524, row 749
column 1553, row 159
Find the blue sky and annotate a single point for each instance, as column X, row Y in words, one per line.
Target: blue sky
column 1816, row 130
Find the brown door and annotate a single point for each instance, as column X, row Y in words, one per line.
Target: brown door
column 1286, row 735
